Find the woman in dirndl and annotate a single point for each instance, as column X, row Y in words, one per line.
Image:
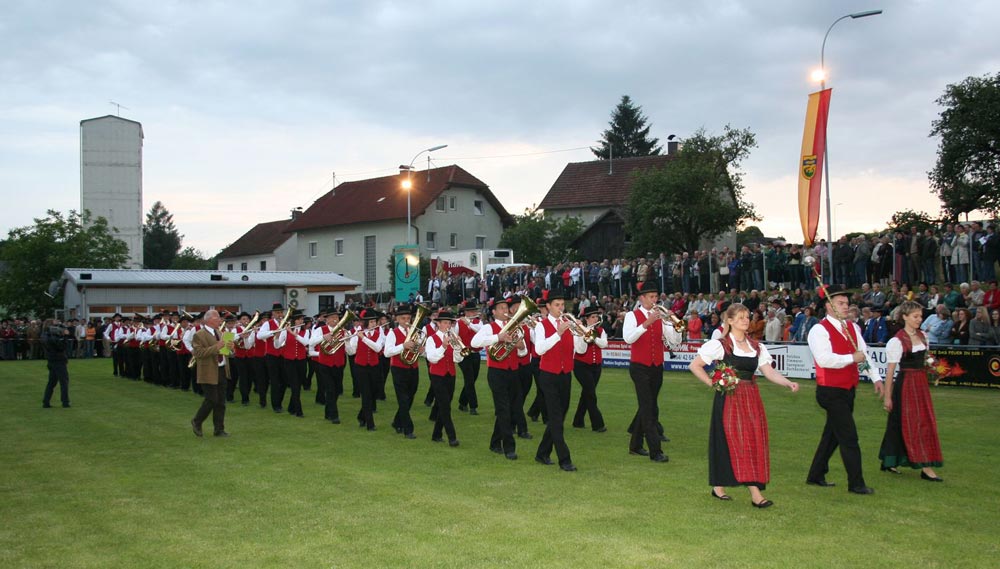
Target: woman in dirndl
column 911, row 437
column 738, row 448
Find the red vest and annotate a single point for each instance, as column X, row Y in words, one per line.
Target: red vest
column 845, row 377
column 365, row 356
column 181, row 346
column 134, row 342
column 447, row 364
column 270, row 349
column 293, row 349
column 593, row 355
column 466, row 333
column 238, row 350
column 648, row 349
column 559, row 358
column 526, row 358
column 339, row 359
column 397, row 361
column 510, row 363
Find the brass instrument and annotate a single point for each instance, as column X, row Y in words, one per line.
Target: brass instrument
column 330, row 347
column 457, row 344
column 502, row 350
column 250, row 328
column 284, row 321
column 669, row 316
column 409, row 357
column 578, row 328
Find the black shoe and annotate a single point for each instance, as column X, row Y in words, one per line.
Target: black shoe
column 544, row 460
column 660, row 457
column 638, row 451
column 601, row 430
column 511, row 456
column 46, row 405
column 578, row 426
column 372, row 429
column 437, row 439
column 568, row 467
column 862, row 490
column 891, row 470
column 821, row 482
column 765, row 503
column 410, row 436
column 497, row 450
column 279, row 410
column 335, row 421
column 263, row 405
column 66, row 405
column 724, row 497
column 222, row 434
column 525, row 436
column 473, row 411
column 246, row 403
column 427, row 403
column 453, row 443
column 196, row 428
column 463, row 408
column 534, row 418
column 929, row 478
column 399, row 430
column 664, row 439
column 300, row 415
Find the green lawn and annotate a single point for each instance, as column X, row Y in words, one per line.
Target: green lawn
column 119, row 481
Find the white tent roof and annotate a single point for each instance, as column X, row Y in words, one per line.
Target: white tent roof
column 156, row 277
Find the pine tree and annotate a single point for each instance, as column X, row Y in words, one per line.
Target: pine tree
column 628, row 135
column 160, row 240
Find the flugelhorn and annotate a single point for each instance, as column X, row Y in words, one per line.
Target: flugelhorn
column 409, row 357
column 457, row 344
column 578, row 328
column 502, row 350
column 669, row 316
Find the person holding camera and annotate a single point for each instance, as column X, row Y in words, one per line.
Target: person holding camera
column 54, row 340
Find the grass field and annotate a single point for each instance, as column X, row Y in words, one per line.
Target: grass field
column 118, row 480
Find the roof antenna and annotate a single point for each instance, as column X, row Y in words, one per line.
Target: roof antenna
column 119, row 107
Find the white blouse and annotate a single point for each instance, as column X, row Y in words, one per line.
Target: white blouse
column 712, row 350
column 894, row 350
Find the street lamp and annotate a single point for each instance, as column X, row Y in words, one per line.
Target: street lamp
column 820, row 74
column 408, row 186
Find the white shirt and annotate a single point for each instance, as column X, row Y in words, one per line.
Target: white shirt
column 546, row 343
column 435, row 354
column 485, row 337
column 581, row 346
column 265, row 332
column 187, row 339
column 822, row 351
column 712, row 350
column 632, row 331
column 894, row 350
column 390, row 348
column 283, row 337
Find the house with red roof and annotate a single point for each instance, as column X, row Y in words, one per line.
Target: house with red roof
column 353, row 228
column 266, row 247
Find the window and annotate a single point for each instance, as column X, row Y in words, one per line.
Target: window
column 313, row 249
column 431, row 240
column 453, row 203
column 229, row 267
column 369, row 262
column 477, row 207
column 263, row 265
column 327, row 302
column 480, row 241
column 453, row 243
column 243, row 266
column 441, row 203
column 338, row 247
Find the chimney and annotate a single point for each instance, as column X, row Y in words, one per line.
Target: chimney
column 672, row 147
column 296, row 213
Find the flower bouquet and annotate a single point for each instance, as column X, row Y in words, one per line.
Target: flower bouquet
column 724, row 378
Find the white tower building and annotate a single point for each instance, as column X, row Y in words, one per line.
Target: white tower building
column 111, row 177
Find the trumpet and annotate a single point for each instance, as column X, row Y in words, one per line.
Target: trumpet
column 415, row 334
column 456, row 344
column 669, row 316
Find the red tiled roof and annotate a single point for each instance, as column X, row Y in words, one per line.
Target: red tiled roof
column 381, row 199
column 587, row 184
column 264, row 238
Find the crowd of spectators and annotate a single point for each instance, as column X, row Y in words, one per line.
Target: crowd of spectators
column 21, row 339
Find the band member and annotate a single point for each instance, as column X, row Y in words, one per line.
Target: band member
column 230, row 326
column 294, row 342
column 538, row 405
column 368, row 345
column 442, row 356
column 318, row 322
column 213, row 371
column 404, row 376
column 272, row 356
column 837, row 348
column 554, row 343
column 242, row 357
column 117, row 356
column 185, row 334
column 256, row 361
column 385, row 323
column 168, row 362
column 502, row 376
column 358, row 327
column 520, row 422
column 330, row 368
column 468, row 326
column 587, row 369
column 644, row 330
column 429, row 329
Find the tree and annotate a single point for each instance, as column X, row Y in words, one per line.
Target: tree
column 628, row 135
column 697, row 196
column 37, row 254
column 907, row 218
column 160, row 240
column 192, row 259
column 541, row 239
column 967, row 174
column 747, row 235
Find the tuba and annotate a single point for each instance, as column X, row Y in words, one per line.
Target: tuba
column 330, row 347
column 409, row 357
column 502, row 350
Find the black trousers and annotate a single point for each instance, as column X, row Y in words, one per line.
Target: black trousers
column 260, row 378
column 444, row 392
column 503, row 386
column 169, row 362
column 367, row 376
column 234, row 380
column 58, row 374
column 307, row 380
column 355, row 389
column 556, row 387
column 647, row 381
column 429, row 398
column 841, row 431
column 404, row 382
column 117, row 360
column 332, row 380
column 321, row 379
column 470, row 373
column 588, row 376
column 275, row 377
column 214, row 404
column 538, row 405
column 517, row 405
column 295, row 374
column 185, row 372
column 384, row 365
column 244, row 376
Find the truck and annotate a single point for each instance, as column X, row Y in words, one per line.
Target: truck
column 479, row 260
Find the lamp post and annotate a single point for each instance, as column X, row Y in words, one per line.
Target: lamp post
column 826, row 149
column 408, row 186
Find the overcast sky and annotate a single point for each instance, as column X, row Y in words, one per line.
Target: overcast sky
column 249, row 107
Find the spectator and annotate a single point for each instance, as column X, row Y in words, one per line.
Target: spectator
column 960, row 331
column 938, row 326
column 980, row 329
column 694, row 325
column 960, row 253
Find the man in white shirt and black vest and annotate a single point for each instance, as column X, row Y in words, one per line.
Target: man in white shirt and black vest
column 554, row 344
column 838, row 348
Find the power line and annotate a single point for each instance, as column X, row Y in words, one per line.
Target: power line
column 511, row 155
